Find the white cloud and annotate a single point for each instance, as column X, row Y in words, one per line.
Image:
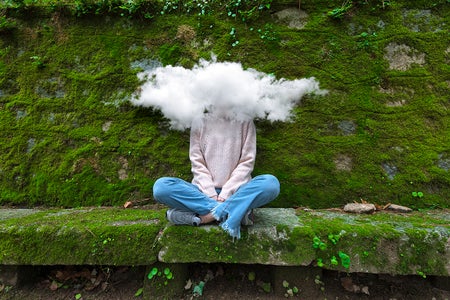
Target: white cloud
column 183, row 94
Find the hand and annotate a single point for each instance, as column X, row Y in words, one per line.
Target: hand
column 218, row 199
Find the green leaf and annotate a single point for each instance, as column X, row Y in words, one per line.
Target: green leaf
column 78, row 296
column 251, row 276
column 139, row 292
column 334, row 261
column 316, row 242
column 345, row 259
column 322, row 246
column 152, row 273
column 320, row 262
column 266, row 287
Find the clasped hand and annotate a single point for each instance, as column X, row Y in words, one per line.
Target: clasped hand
column 218, row 198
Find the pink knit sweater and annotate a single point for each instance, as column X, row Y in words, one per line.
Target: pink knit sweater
column 222, row 154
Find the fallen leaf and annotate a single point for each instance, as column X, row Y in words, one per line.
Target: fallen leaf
column 139, row 292
column 188, row 285
column 365, row 290
column 128, row 204
column 54, row 285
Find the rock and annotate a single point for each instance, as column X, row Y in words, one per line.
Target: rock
column 293, row 17
column 359, row 208
column 398, row 208
column 401, row 57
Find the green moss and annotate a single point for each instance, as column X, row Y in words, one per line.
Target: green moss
column 380, row 243
column 82, row 236
column 64, row 77
column 212, row 244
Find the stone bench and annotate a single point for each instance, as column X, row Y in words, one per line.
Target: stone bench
column 417, row 243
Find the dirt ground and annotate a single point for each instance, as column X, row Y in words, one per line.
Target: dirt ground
column 222, row 281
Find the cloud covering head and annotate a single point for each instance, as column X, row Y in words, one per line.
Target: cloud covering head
column 225, row 88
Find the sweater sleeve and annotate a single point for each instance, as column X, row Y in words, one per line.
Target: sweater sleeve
column 200, row 171
column 243, row 170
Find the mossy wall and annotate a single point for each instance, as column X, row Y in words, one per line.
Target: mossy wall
column 70, row 137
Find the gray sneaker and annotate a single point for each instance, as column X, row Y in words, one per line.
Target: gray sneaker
column 248, row 219
column 180, row 217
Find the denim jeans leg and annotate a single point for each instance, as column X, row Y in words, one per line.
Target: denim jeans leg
column 259, row 191
column 183, row 195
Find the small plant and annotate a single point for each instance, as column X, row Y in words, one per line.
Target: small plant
column 107, row 240
column 422, row 274
column 129, row 7
column 18, row 4
column 334, row 238
column 6, row 24
column 37, row 62
column 334, row 261
column 233, row 37
column 267, row 33
column 345, row 259
column 169, row 6
column 386, row 3
column 417, row 194
column 320, row 283
column 320, row 262
column 320, row 245
column 246, row 10
column 365, row 40
column 165, row 274
column 340, row 12
column 290, row 292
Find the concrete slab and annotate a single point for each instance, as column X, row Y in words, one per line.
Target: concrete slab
column 399, row 244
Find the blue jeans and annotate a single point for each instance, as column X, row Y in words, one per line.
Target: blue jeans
column 180, row 194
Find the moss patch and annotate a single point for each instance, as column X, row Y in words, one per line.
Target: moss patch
column 381, row 243
column 416, row 243
column 81, row 236
column 71, row 138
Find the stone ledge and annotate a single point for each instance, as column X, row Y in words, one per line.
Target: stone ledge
column 399, row 244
